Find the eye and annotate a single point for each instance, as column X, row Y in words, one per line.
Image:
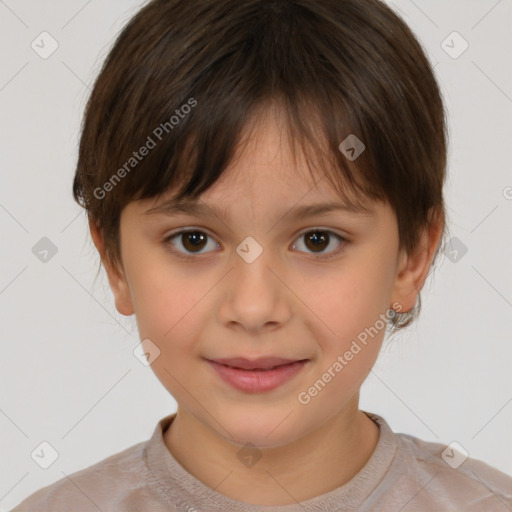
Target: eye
column 318, row 239
column 192, row 240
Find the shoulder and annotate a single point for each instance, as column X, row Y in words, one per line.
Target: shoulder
column 451, row 478
column 102, row 486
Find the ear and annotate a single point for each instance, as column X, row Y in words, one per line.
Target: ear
column 413, row 268
column 116, row 279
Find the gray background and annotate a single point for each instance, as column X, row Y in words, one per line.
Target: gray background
column 67, row 372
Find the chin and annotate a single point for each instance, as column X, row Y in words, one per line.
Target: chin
column 267, row 428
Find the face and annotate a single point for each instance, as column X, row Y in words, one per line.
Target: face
column 255, row 279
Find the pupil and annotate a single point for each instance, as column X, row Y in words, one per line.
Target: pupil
column 196, row 239
column 316, row 239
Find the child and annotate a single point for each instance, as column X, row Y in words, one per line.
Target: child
column 263, row 273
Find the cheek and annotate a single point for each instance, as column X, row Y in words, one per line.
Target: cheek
column 169, row 310
column 167, row 302
column 349, row 309
column 348, row 300
column 349, row 335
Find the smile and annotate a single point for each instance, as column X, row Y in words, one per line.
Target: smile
column 257, row 380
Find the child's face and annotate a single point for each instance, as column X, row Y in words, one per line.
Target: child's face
column 285, row 303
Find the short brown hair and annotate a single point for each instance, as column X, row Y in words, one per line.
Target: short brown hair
column 335, row 67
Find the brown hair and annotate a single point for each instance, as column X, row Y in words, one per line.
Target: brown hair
column 184, row 77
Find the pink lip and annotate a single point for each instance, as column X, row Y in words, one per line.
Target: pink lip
column 257, row 380
column 262, row 363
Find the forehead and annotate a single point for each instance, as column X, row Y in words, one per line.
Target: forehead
column 271, row 172
column 269, row 158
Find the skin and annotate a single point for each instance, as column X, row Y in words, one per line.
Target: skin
column 285, row 303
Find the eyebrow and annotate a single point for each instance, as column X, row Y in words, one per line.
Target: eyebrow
column 201, row 209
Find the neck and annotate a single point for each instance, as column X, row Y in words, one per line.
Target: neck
column 315, row 464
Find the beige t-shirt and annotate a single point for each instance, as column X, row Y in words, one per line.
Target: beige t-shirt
column 403, row 474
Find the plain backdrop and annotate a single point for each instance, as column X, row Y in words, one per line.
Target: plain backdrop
column 68, row 375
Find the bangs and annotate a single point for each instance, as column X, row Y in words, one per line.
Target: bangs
column 195, row 157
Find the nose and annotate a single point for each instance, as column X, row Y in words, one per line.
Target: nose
column 253, row 297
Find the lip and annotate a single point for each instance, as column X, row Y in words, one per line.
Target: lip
column 255, row 379
column 262, row 363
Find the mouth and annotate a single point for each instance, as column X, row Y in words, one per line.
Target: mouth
column 256, row 376
column 261, row 363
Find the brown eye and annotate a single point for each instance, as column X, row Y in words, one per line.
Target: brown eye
column 317, row 241
column 193, row 240
column 190, row 242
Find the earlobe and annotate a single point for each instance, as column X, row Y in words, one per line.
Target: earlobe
column 122, row 297
column 410, row 277
column 116, row 279
column 120, row 289
column 413, row 268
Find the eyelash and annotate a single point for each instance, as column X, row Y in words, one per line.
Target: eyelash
column 190, row 256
